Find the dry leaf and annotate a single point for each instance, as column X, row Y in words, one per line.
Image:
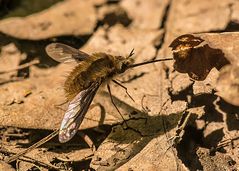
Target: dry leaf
column 10, row 58
column 185, row 17
column 215, row 162
column 64, row 18
column 5, row 166
column 145, row 14
column 197, row 54
column 228, row 84
column 192, row 16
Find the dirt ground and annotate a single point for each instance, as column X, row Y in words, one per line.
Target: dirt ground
column 185, row 113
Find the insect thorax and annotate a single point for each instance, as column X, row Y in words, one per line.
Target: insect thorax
column 98, row 67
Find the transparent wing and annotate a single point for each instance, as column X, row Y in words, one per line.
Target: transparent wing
column 76, row 112
column 64, row 53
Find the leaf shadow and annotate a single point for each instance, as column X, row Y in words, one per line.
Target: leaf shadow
column 36, row 49
column 232, row 114
column 140, row 130
column 194, row 137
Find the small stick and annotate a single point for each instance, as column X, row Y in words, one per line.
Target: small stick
column 30, row 160
column 36, row 61
column 39, row 143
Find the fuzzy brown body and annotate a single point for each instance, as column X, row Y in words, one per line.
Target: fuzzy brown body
column 96, row 68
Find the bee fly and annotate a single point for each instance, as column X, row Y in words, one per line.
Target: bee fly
column 83, row 82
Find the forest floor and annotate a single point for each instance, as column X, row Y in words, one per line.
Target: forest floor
column 165, row 94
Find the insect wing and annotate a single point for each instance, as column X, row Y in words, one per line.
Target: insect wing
column 64, row 53
column 76, row 112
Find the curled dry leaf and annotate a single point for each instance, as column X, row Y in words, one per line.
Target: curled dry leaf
column 64, row 18
column 149, row 14
column 228, row 84
column 196, row 55
column 5, row 166
column 217, row 161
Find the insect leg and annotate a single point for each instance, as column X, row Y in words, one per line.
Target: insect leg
column 112, row 100
column 126, row 90
column 131, row 53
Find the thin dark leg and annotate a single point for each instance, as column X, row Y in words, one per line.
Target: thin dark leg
column 126, row 90
column 108, row 87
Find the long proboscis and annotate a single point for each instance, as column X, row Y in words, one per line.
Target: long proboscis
column 149, row 62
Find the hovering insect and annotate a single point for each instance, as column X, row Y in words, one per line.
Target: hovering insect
column 84, row 80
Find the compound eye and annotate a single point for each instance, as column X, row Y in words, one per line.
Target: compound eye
column 124, row 67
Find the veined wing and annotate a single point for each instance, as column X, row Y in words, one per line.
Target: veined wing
column 64, row 53
column 76, row 112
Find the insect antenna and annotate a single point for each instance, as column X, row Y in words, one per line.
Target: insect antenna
column 131, row 53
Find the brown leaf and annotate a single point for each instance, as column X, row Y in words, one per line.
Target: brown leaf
column 145, row 14
column 214, row 162
column 235, row 12
column 64, row 18
column 197, row 54
column 186, row 17
column 10, row 57
column 119, row 40
column 5, row 166
column 228, row 84
column 192, row 16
